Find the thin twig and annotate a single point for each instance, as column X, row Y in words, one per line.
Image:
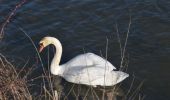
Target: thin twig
column 124, row 47
column 34, row 48
column 119, row 40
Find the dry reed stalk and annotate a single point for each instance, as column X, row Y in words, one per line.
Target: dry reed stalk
column 11, row 85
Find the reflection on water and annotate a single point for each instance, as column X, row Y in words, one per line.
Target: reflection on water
column 71, row 91
column 87, row 23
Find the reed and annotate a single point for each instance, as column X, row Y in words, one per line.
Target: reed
column 12, row 85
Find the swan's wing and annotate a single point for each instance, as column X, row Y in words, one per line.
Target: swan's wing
column 89, row 60
column 83, row 75
column 99, row 61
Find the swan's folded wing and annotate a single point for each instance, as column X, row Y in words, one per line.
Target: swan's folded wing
column 89, row 60
column 83, row 75
column 99, row 61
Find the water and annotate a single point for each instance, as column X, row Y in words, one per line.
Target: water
column 87, row 23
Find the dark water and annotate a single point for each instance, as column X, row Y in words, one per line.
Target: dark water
column 87, row 23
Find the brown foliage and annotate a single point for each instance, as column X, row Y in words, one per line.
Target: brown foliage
column 11, row 85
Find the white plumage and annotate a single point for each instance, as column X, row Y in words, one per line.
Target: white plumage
column 88, row 68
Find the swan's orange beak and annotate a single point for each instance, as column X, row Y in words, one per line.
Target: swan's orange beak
column 41, row 47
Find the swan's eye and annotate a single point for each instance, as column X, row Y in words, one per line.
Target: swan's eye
column 41, row 44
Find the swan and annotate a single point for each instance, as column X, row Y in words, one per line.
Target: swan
column 88, row 69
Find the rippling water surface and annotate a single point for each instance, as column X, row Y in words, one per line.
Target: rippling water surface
column 88, row 23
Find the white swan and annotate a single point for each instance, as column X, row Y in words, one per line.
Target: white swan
column 88, row 68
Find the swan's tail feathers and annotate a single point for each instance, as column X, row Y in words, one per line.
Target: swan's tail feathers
column 120, row 76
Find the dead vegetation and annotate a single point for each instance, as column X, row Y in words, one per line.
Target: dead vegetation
column 12, row 86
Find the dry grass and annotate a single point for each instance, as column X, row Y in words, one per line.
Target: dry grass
column 12, row 86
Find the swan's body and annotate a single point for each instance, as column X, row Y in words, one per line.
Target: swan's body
column 88, row 68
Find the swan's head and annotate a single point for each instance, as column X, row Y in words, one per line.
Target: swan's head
column 45, row 42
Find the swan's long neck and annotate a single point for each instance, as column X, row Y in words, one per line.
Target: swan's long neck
column 55, row 68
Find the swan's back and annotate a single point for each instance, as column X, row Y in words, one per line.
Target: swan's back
column 89, row 60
